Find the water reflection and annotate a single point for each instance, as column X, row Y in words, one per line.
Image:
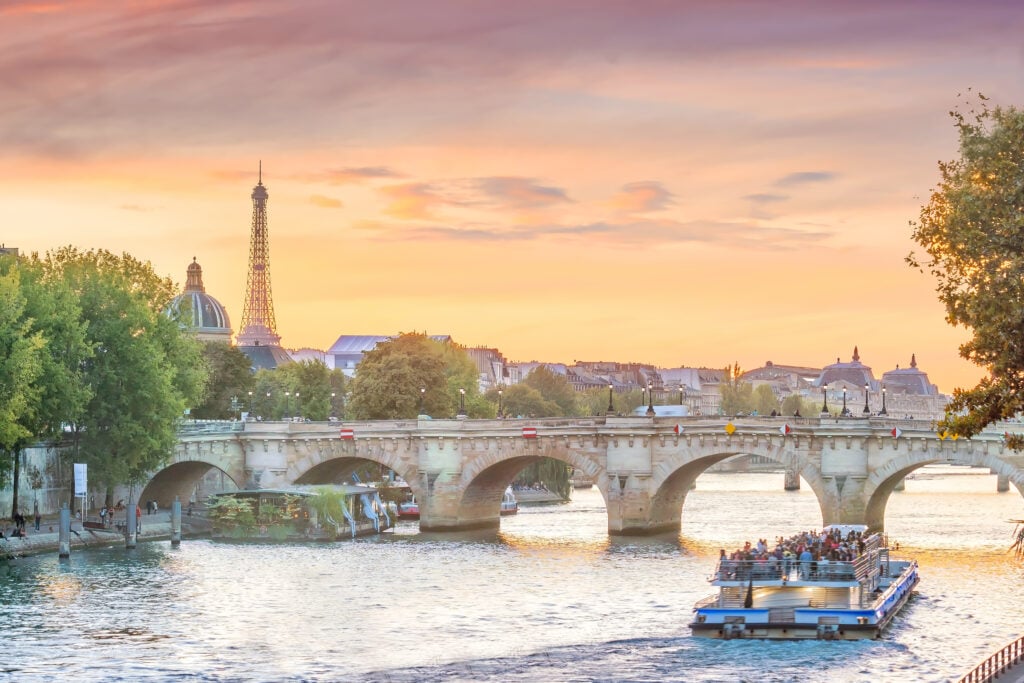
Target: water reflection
column 548, row 597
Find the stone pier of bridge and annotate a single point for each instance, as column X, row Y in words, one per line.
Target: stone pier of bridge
column 643, row 466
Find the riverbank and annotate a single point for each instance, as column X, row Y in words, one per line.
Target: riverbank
column 154, row 527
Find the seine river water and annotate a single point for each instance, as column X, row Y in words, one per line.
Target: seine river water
column 549, row 598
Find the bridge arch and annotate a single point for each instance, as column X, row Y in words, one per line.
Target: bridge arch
column 329, row 467
column 178, row 480
column 678, row 473
column 475, row 502
column 883, row 481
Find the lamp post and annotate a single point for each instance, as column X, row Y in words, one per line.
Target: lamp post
column 500, row 392
column 846, row 410
column 824, row 404
column 883, row 402
column 423, row 393
column 298, row 405
column 266, row 406
column 462, row 403
column 611, row 408
column 334, row 412
column 250, row 403
column 288, row 404
column 650, row 399
column 680, row 394
column 867, row 411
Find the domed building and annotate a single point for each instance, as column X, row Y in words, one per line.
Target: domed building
column 199, row 310
column 853, row 374
column 909, row 380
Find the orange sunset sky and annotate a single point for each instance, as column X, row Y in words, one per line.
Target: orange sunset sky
column 677, row 183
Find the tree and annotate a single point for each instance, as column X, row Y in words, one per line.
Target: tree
column 794, row 402
column 520, row 400
column 309, row 383
column 737, row 396
column 554, row 388
column 389, row 378
column 51, row 312
column 230, row 376
column 21, row 364
column 144, row 369
column 972, row 230
column 764, row 400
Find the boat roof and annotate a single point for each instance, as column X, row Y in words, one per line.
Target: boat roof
column 304, row 490
column 846, row 528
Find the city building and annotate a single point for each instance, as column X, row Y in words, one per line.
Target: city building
column 200, row 311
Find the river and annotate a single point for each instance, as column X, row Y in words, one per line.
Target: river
column 549, row 598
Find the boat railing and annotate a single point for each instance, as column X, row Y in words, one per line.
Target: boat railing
column 794, row 569
column 997, row 664
column 709, row 601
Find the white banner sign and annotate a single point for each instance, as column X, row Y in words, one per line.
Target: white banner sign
column 81, row 484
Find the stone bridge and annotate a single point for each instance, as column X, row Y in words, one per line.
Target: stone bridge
column 643, row 466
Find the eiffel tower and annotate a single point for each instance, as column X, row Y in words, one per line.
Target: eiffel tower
column 258, row 338
column 258, row 327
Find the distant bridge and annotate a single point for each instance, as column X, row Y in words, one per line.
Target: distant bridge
column 458, row 469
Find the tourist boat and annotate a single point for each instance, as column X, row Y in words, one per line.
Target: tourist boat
column 814, row 600
column 310, row 513
column 509, row 505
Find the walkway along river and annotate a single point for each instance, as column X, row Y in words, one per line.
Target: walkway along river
column 551, row 597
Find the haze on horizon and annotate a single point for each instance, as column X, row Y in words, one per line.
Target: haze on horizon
column 690, row 183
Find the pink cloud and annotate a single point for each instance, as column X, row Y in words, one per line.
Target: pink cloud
column 642, row 197
column 412, row 201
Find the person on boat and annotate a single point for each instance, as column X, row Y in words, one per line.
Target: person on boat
column 805, row 563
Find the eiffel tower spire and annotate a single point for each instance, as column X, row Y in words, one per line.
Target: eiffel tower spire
column 258, row 327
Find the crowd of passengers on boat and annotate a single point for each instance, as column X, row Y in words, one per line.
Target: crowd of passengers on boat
column 807, row 556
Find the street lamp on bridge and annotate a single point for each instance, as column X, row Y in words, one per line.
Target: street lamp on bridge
column 500, row 392
column 846, row 411
column 250, row 404
column 423, row 393
column 462, row 403
column 334, row 412
column 650, row 399
column 298, row 405
column 611, row 408
column 288, row 405
column 824, row 393
column 883, row 412
column 867, row 411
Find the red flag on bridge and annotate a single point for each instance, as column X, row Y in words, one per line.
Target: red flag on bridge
column 896, row 432
column 677, row 429
column 529, row 432
column 785, row 429
column 347, row 434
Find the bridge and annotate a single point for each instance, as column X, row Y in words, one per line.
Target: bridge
column 643, row 466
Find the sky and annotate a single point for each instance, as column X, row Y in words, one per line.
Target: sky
column 676, row 183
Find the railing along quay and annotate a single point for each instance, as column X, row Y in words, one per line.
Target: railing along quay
column 997, row 664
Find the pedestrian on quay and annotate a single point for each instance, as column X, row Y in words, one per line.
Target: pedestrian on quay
column 138, row 519
column 35, row 512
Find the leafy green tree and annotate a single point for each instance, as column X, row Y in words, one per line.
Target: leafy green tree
column 21, row 365
column 389, row 378
column 972, row 230
column 764, row 400
column 230, row 376
column 310, row 384
column 144, row 369
column 521, row 400
column 554, row 388
column 52, row 311
column 795, row 402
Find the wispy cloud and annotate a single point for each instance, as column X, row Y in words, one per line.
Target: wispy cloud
column 344, row 176
column 765, row 198
column 642, row 197
column 805, row 178
column 325, row 202
column 412, row 201
column 520, row 193
column 734, row 235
